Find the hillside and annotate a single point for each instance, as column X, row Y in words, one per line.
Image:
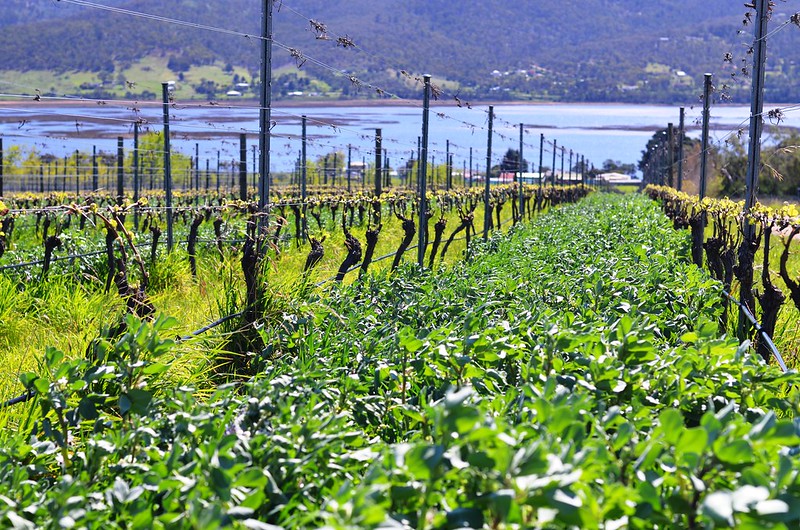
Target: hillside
column 584, row 50
column 25, row 11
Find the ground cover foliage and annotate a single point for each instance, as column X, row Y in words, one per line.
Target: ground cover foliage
column 569, row 375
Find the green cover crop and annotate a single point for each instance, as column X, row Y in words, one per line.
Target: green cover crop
column 569, row 375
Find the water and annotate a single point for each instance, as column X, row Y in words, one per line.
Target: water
column 597, row 131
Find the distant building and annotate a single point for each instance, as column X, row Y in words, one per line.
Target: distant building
column 507, row 177
column 357, row 170
column 617, row 179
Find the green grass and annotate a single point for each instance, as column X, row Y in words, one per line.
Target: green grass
column 58, row 313
column 46, row 81
column 633, row 188
column 148, row 74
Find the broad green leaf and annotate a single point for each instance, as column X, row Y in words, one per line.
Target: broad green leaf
column 623, row 435
column 124, row 404
column 409, row 341
column 41, row 385
column 27, row 379
column 423, row 460
column 763, row 427
column 53, row 357
column 671, row 422
column 87, row 409
column 735, row 452
column 139, row 400
column 691, row 446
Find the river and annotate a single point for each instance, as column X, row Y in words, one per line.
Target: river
column 597, row 131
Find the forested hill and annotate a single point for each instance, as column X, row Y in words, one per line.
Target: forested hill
column 577, row 50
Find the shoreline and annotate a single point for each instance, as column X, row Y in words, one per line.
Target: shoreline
column 296, row 103
column 284, row 103
column 65, row 103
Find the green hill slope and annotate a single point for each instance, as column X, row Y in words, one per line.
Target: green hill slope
column 596, row 50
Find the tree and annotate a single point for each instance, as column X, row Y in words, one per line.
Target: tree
column 654, row 163
column 511, row 162
column 615, row 166
column 151, row 148
column 780, row 174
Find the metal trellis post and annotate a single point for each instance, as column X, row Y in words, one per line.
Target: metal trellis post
column 265, row 114
column 671, row 155
column 243, row 167
column 349, row 165
column 120, row 171
column 541, row 161
column 681, row 133
column 746, row 250
column 95, row 170
column 706, row 120
column 304, row 175
column 521, row 190
column 167, row 165
column 136, row 172
column 423, row 177
column 378, row 162
column 487, row 214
